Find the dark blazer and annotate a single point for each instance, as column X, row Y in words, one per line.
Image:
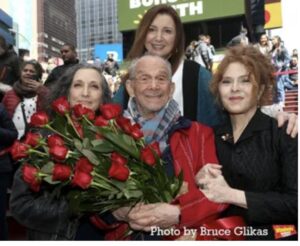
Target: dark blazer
column 8, row 134
column 263, row 163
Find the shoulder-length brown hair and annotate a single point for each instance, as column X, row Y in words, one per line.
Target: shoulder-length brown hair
column 260, row 69
column 138, row 47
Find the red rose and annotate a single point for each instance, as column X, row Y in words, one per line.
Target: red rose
column 100, row 121
column 136, row 132
column 61, row 105
column 59, row 153
column 124, row 123
column 118, row 171
column 111, row 110
column 80, row 110
column 61, row 172
column 19, row 150
column 155, row 147
column 39, row 119
column 82, row 179
column 90, row 114
column 54, row 140
column 30, row 177
column 84, row 165
column 32, row 139
column 119, row 159
column 147, row 156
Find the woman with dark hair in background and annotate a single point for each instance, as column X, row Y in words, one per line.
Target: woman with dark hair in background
column 26, row 96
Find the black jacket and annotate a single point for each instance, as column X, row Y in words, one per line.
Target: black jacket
column 263, row 163
column 58, row 72
column 8, row 134
column 46, row 217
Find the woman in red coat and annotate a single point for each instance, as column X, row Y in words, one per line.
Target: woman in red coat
column 26, row 96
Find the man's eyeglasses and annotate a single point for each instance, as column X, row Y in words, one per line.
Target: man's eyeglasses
column 147, row 80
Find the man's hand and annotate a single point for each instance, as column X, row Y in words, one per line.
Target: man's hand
column 121, row 214
column 163, row 215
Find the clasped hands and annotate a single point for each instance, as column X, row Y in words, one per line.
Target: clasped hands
column 212, row 184
column 144, row 216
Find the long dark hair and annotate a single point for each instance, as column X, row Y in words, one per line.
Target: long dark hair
column 63, row 85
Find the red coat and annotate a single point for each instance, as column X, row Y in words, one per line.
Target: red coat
column 11, row 100
column 191, row 149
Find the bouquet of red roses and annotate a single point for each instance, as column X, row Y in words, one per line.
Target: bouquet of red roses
column 101, row 161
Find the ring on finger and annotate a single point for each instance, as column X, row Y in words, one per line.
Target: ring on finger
column 202, row 186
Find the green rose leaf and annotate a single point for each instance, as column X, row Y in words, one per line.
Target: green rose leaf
column 91, row 156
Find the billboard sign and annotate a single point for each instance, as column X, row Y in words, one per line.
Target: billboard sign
column 102, row 50
column 273, row 16
column 130, row 12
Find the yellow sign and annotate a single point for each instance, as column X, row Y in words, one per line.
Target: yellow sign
column 273, row 17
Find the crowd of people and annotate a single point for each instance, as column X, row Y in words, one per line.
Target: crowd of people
column 286, row 64
column 237, row 162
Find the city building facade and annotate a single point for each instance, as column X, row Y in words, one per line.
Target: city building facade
column 97, row 23
column 56, row 21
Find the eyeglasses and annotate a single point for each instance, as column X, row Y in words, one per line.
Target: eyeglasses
column 147, row 80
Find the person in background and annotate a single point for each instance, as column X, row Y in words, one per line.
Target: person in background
column 240, row 39
column 8, row 134
column 190, row 51
column 9, row 67
column 161, row 33
column 111, row 66
column 69, row 56
column 210, row 46
column 26, row 96
column 292, row 83
column 264, row 45
column 281, row 60
column 295, row 52
column 258, row 172
column 204, row 55
column 45, row 218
